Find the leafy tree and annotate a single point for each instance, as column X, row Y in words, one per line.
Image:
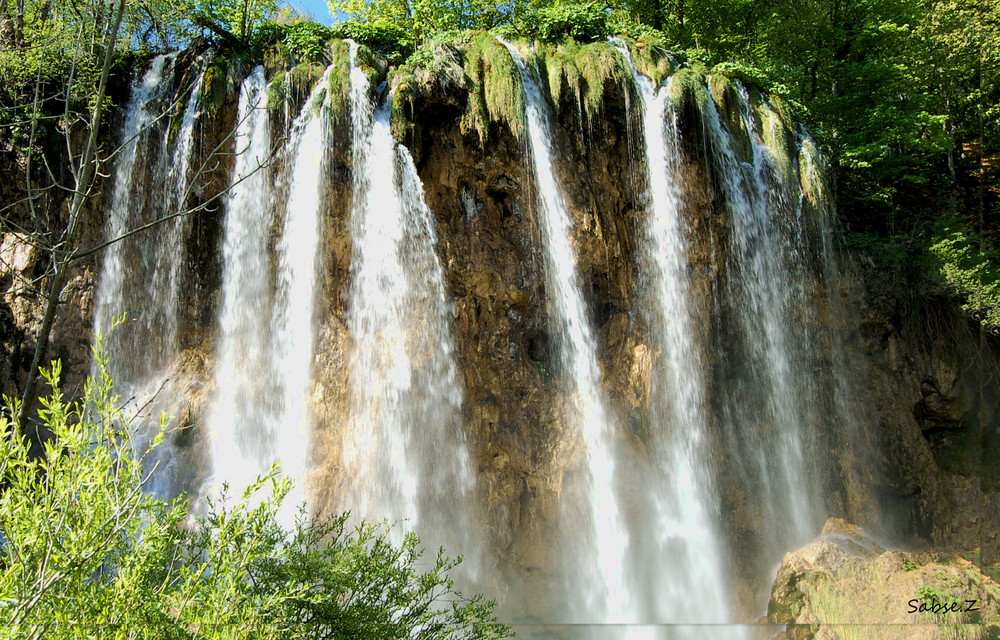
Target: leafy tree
column 233, row 20
column 585, row 22
column 422, row 18
column 84, row 552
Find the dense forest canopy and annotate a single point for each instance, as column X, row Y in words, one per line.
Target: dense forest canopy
column 903, row 94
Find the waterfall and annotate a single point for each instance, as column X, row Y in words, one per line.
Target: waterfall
column 139, row 275
column 299, row 263
column 242, row 418
column 765, row 287
column 405, row 449
column 645, row 543
column 683, row 511
column 600, row 593
column 139, row 116
column 261, row 412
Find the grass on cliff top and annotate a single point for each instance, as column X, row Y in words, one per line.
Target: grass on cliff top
column 584, row 70
column 477, row 61
column 495, row 93
column 570, row 70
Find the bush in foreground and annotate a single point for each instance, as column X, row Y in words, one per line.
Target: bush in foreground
column 85, row 553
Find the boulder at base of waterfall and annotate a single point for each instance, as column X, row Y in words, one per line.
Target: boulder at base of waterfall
column 844, row 585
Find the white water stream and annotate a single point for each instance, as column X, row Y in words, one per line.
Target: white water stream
column 405, row 449
column 598, row 591
column 682, row 533
column 140, row 274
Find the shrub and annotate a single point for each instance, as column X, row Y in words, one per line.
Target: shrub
column 584, row 22
column 307, row 40
column 84, row 552
column 270, row 33
column 380, row 35
column 969, row 274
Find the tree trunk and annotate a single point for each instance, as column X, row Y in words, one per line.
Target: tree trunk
column 6, row 26
column 19, row 25
column 63, row 254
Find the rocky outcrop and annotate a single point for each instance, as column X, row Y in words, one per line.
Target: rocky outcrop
column 845, row 585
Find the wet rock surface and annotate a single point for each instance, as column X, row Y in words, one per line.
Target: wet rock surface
column 844, row 585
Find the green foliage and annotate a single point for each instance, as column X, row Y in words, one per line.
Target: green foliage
column 239, row 17
column 381, row 35
column 745, row 73
column 270, row 33
column 894, row 252
column 910, row 565
column 696, row 56
column 421, row 19
column 585, row 22
column 933, row 596
column 970, row 274
column 84, row 548
column 307, row 40
column 620, row 23
column 57, row 49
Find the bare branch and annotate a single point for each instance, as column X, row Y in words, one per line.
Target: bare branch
column 61, row 260
column 204, row 206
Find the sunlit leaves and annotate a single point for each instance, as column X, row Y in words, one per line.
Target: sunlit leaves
column 84, row 552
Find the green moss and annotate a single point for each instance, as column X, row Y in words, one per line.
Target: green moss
column 783, row 109
column 687, row 90
column 277, row 94
column 776, row 132
column 277, row 60
column 495, row 94
column 340, row 81
column 218, row 81
column 562, row 74
column 725, row 93
column 652, row 59
column 585, row 71
column 303, row 78
column 404, row 129
column 812, row 181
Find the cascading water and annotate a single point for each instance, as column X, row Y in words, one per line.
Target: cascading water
column 765, row 289
column 406, row 453
column 140, row 273
column 135, row 135
column 683, row 511
column 600, row 593
column 261, row 412
column 299, row 261
column 243, row 418
column 650, row 547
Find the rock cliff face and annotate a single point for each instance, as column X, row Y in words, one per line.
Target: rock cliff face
column 901, row 392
